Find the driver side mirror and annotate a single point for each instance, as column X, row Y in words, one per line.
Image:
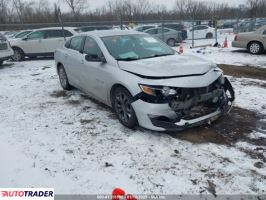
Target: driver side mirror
column 95, row 58
column 25, row 38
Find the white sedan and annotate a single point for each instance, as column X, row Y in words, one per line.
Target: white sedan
column 145, row 81
column 201, row 31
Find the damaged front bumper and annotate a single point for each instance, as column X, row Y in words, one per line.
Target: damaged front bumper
column 164, row 116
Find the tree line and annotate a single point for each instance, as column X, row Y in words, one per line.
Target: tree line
column 41, row 11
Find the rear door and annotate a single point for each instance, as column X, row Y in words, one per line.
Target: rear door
column 55, row 39
column 264, row 38
column 73, row 61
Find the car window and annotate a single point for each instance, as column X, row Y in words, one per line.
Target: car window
column 91, row 47
column 160, row 30
column 22, row 34
column 264, row 33
column 152, row 31
column 76, row 43
column 58, row 33
column 36, row 35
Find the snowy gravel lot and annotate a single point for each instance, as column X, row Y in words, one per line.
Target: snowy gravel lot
column 65, row 140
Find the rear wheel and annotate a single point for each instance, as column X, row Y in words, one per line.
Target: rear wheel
column 63, row 78
column 122, row 100
column 18, row 54
column 255, row 48
column 171, row 42
column 1, row 62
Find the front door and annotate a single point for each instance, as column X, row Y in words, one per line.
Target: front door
column 94, row 75
column 34, row 43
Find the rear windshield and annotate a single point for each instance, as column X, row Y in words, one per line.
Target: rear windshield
column 2, row 37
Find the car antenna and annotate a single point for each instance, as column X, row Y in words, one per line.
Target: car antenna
column 61, row 23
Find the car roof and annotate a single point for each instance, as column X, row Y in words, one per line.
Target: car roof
column 57, row 28
column 106, row 33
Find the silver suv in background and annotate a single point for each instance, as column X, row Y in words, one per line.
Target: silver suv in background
column 5, row 49
column 167, row 35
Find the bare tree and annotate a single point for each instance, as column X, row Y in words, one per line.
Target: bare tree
column 76, row 6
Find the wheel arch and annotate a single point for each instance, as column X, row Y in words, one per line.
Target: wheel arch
column 16, row 47
column 257, row 41
column 58, row 64
column 112, row 90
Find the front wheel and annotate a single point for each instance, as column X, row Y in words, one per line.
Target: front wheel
column 18, row 54
column 255, row 48
column 122, row 100
column 63, row 78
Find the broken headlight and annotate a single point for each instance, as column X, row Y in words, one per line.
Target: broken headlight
column 158, row 90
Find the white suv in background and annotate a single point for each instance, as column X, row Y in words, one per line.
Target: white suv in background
column 41, row 42
column 5, row 49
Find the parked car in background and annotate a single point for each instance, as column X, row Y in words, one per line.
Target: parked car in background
column 5, row 49
column 145, row 81
column 143, row 28
column 254, row 42
column 93, row 28
column 177, row 27
column 10, row 34
column 227, row 25
column 41, row 42
column 202, row 31
column 169, row 36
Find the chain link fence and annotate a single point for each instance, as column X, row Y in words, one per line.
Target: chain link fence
column 183, row 29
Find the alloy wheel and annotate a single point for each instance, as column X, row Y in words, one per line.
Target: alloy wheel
column 62, row 77
column 254, row 48
column 123, row 107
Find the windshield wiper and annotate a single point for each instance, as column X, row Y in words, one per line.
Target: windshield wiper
column 159, row 55
column 127, row 59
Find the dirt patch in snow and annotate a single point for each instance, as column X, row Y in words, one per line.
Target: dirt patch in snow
column 228, row 130
column 59, row 93
column 244, row 71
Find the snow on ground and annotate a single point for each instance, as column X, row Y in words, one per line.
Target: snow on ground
column 229, row 55
column 52, row 138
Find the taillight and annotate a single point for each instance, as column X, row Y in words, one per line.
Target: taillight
column 236, row 38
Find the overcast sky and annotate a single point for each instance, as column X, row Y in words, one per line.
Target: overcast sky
column 168, row 3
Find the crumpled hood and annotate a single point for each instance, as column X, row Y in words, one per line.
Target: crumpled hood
column 167, row 66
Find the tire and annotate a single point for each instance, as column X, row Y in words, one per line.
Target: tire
column 63, row 78
column 255, row 48
column 18, row 54
column 1, row 62
column 171, row 42
column 122, row 100
column 209, row 36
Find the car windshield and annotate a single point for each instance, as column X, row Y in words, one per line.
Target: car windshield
column 135, row 47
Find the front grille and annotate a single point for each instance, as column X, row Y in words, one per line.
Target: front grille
column 3, row 46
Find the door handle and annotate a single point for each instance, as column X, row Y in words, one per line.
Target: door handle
column 65, row 55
